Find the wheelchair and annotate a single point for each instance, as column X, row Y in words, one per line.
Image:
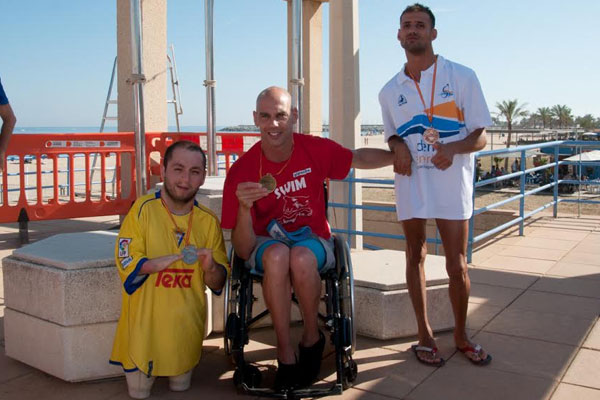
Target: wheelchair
column 338, row 321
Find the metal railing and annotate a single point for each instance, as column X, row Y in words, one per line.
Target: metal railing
column 351, row 180
column 552, row 183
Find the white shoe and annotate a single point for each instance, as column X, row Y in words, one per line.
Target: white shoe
column 139, row 384
column 181, row 383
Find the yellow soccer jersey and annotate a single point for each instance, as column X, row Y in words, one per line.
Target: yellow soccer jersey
column 161, row 327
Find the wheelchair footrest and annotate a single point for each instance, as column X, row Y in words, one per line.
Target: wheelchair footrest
column 294, row 394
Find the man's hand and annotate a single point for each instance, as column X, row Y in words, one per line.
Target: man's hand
column 402, row 157
column 248, row 192
column 443, row 157
column 214, row 274
column 206, row 260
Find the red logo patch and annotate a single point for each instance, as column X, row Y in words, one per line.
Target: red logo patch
column 175, row 278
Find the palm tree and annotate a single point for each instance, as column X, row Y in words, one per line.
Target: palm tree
column 586, row 122
column 545, row 115
column 563, row 114
column 510, row 110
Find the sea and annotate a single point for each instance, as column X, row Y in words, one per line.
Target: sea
column 366, row 130
column 96, row 129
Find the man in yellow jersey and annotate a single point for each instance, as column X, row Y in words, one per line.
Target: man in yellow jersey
column 168, row 250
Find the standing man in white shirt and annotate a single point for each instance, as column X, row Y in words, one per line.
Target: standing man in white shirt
column 434, row 116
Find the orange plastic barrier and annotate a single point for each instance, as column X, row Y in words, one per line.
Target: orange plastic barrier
column 66, row 151
column 62, row 197
column 228, row 144
column 231, row 144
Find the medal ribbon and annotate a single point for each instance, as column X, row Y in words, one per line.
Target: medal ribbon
column 430, row 113
column 189, row 227
column 260, row 174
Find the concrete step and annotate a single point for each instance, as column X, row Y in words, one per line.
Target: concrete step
column 382, row 304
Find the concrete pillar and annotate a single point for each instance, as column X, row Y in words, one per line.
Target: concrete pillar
column 312, row 63
column 344, row 100
column 154, row 48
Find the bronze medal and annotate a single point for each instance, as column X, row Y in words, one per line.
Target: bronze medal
column 431, row 135
column 268, row 182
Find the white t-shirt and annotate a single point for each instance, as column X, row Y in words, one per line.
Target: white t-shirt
column 459, row 109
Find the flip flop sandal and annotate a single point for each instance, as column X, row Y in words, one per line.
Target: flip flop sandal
column 476, row 351
column 431, row 350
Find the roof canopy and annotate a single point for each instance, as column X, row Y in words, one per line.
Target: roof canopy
column 593, row 155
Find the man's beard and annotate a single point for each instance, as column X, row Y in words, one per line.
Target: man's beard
column 178, row 199
column 414, row 48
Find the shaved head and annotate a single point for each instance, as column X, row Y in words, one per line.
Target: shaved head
column 275, row 92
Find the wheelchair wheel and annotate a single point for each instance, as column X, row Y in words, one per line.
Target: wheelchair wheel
column 349, row 374
column 230, row 317
column 346, row 278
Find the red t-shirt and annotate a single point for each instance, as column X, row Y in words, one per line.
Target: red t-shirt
column 298, row 199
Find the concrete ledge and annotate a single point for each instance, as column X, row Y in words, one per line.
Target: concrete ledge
column 72, row 251
column 63, row 299
column 383, row 307
column 63, row 296
column 75, row 353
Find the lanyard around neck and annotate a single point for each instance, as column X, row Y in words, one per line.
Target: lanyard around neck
column 260, row 173
column 189, row 227
column 430, row 112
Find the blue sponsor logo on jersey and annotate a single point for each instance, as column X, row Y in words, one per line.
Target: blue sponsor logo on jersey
column 446, row 91
column 126, row 261
column 302, row 172
column 401, row 100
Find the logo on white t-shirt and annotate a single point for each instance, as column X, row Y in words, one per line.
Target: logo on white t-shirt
column 446, row 91
column 401, row 100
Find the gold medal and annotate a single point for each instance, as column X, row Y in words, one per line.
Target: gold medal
column 268, row 182
column 431, row 135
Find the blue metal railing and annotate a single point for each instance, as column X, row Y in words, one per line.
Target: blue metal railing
column 524, row 177
column 351, row 180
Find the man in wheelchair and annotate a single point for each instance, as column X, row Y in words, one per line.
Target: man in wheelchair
column 274, row 201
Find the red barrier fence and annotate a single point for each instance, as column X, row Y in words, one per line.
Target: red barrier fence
column 55, row 176
column 230, row 146
column 56, row 162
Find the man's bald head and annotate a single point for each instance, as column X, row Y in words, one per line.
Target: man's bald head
column 278, row 93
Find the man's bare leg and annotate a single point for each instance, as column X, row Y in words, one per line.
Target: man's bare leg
column 307, row 286
column 454, row 234
column 416, row 251
column 277, row 292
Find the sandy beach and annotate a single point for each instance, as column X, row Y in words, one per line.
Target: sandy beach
column 47, row 167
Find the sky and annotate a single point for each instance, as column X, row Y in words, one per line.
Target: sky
column 56, row 56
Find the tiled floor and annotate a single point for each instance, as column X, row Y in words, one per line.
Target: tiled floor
column 534, row 305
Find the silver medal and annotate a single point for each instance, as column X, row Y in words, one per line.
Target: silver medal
column 190, row 254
